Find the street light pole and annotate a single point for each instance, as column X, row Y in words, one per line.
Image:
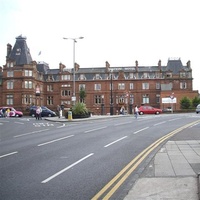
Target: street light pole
column 74, row 87
column 111, row 95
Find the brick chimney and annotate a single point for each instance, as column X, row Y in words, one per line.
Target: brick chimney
column 77, row 66
column 61, row 67
column 159, row 64
column 9, row 49
column 188, row 64
column 136, row 64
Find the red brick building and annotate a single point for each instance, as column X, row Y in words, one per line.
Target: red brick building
column 24, row 82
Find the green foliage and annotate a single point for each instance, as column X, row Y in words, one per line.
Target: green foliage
column 195, row 101
column 79, row 109
column 82, row 94
column 185, row 103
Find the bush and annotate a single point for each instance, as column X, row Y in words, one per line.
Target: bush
column 79, row 109
column 185, row 103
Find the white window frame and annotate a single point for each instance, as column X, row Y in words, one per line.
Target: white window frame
column 145, row 86
column 10, row 74
column 145, row 99
column 121, row 86
column 97, row 86
column 131, row 86
column 10, row 85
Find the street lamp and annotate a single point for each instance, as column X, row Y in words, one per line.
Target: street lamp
column 111, row 95
column 74, row 90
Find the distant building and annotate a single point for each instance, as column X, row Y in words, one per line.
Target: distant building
column 24, row 82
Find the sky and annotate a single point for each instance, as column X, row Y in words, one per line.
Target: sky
column 117, row 31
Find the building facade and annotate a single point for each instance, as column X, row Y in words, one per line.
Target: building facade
column 24, row 82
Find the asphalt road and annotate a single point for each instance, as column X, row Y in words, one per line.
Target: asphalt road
column 48, row 160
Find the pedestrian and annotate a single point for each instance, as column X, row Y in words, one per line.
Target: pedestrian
column 136, row 111
column 8, row 112
column 58, row 110
column 4, row 112
column 38, row 113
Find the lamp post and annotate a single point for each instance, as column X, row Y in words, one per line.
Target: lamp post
column 111, row 95
column 102, row 104
column 74, row 88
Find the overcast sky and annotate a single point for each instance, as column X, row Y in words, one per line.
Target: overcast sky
column 117, row 31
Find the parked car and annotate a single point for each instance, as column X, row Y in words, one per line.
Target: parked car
column 12, row 113
column 149, row 110
column 46, row 112
column 198, row 109
column 168, row 109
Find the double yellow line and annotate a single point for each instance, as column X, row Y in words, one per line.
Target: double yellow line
column 119, row 179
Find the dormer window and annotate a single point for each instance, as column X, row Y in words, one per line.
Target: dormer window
column 97, row 77
column 65, row 77
column 10, row 64
column 145, row 75
column 168, row 75
column 18, row 51
column 50, row 78
column 182, row 74
column 82, row 77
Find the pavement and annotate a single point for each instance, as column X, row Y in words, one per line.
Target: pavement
column 172, row 174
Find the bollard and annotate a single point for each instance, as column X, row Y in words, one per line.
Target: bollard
column 69, row 115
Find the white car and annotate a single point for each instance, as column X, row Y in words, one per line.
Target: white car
column 198, row 109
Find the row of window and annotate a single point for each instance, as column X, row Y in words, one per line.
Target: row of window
column 29, row 73
column 98, row 99
column 97, row 86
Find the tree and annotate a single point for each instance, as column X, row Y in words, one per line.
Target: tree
column 185, row 103
column 195, row 101
column 82, row 95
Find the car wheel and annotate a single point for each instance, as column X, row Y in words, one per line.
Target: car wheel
column 33, row 115
column 141, row 113
column 157, row 113
column 49, row 115
column 16, row 115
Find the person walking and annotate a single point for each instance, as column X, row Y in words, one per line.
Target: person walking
column 38, row 113
column 58, row 110
column 136, row 111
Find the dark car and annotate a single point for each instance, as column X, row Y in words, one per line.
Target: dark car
column 149, row 110
column 12, row 112
column 46, row 112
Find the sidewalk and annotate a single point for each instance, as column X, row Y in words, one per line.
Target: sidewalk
column 171, row 175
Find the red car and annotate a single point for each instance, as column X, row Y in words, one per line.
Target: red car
column 149, row 110
column 12, row 113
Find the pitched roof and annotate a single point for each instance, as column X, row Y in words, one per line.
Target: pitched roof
column 20, row 52
column 174, row 65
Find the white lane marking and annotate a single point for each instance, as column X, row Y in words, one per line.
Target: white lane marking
column 19, row 123
column 141, row 130
column 63, row 125
column 16, row 136
column 52, row 141
column 194, row 125
column 122, row 123
column 160, row 123
column 173, row 119
column 8, row 154
column 96, row 129
column 65, row 169
column 5, row 121
column 115, row 141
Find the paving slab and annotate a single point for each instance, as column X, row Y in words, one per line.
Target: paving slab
column 164, row 189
